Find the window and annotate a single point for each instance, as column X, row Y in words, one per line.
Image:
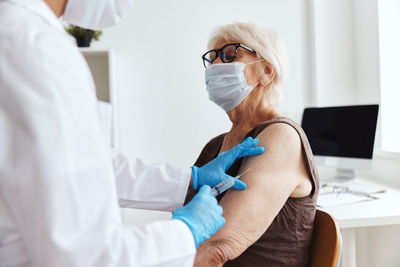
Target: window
column 389, row 46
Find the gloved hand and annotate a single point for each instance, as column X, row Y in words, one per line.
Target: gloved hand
column 202, row 214
column 214, row 172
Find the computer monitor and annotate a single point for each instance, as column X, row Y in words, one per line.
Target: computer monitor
column 342, row 137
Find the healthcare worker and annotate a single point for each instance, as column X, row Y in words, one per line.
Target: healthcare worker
column 59, row 183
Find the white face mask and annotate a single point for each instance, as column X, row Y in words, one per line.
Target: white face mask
column 95, row 14
column 226, row 84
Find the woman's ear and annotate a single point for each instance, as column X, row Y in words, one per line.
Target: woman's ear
column 268, row 74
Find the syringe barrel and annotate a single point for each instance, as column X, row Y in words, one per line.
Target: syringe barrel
column 214, row 192
column 223, row 186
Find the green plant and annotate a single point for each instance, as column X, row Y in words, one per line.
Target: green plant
column 77, row 31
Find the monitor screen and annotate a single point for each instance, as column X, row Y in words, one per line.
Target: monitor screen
column 347, row 131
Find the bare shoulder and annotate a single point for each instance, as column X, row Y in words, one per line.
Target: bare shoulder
column 280, row 138
column 284, row 157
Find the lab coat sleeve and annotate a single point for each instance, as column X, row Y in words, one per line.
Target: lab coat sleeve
column 56, row 174
column 149, row 186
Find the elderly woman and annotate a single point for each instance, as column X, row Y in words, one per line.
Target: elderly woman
column 271, row 222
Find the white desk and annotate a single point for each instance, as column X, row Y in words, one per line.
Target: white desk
column 380, row 212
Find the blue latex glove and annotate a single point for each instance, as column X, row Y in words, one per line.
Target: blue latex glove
column 202, row 214
column 214, row 172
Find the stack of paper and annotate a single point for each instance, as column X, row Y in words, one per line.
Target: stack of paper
column 336, row 199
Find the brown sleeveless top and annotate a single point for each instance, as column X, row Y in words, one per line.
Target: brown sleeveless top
column 287, row 241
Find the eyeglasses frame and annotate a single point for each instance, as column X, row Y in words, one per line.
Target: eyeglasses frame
column 219, row 53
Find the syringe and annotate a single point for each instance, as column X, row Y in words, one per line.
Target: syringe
column 225, row 185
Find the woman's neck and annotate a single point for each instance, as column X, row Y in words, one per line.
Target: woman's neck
column 242, row 123
column 246, row 121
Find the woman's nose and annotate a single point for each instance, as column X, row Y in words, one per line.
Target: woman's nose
column 217, row 60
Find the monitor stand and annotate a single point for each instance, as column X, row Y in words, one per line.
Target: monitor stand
column 345, row 175
column 342, row 177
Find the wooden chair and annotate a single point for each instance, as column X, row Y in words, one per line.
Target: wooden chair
column 326, row 247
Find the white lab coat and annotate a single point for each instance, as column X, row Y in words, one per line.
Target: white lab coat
column 59, row 185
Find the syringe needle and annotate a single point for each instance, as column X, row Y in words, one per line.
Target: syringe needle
column 246, row 171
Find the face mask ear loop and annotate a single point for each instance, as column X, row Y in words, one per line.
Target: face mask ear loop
column 252, row 87
column 255, row 61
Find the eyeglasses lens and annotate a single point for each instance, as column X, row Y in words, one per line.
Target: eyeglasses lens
column 209, row 58
column 228, row 53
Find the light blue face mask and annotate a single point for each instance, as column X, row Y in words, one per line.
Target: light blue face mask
column 226, row 84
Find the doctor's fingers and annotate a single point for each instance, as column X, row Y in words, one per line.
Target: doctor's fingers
column 248, row 148
column 244, row 149
column 240, row 185
column 253, row 151
column 216, row 217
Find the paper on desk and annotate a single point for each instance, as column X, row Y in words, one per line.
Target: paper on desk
column 337, row 199
column 366, row 188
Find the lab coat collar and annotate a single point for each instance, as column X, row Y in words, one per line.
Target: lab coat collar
column 40, row 8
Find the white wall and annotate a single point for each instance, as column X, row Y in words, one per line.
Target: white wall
column 165, row 114
column 334, row 52
column 346, row 52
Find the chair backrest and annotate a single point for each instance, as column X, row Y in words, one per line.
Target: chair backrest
column 326, row 246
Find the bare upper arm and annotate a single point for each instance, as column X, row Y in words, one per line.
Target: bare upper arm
column 272, row 178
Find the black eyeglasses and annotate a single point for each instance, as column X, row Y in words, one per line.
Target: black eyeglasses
column 227, row 53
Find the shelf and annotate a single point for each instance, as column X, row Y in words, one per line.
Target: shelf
column 101, row 65
column 87, row 51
